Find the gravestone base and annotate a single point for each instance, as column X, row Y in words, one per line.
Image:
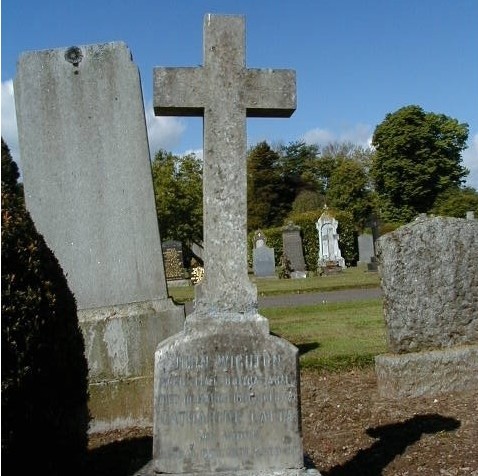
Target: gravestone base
column 227, row 399
column 427, row 373
column 149, row 471
column 120, row 342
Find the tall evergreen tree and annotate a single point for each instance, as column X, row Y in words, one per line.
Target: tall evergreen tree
column 268, row 198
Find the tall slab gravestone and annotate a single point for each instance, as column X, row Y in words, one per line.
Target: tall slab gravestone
column 429, row 276
column 293, row 249
column 227, row 391
column 88, row 187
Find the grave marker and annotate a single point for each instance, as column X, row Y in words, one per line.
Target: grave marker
column 88, row 187
column 226, row 393
column 429, row 275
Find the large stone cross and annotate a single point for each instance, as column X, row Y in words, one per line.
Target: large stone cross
column 224, row 92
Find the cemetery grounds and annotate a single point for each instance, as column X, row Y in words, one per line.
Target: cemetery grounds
column 347, row 428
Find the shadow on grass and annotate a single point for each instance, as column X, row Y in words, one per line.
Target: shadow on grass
column 392, row 441
column 307, row 347
column 120, row 458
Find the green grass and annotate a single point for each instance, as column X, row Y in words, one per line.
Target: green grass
column 350, row 278
column 332, row 336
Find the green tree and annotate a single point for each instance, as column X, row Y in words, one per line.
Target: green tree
column 348, row 190
column 178, row 193
column 456, row 202
column 299, row 167
column 418, row 157
column 268, row 199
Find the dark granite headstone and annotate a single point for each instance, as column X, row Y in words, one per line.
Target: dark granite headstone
column 292, row 246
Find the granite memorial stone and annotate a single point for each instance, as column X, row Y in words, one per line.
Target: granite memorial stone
column 226, row 393
column 89, row 190
column 293, row 249
column 429, row 276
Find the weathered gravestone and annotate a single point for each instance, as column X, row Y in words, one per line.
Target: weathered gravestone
column 429, row 275
column 173, row 260
column 226, row 393
column 263, row 259
column 365, row 248
column 292, row 248
column 88, row 187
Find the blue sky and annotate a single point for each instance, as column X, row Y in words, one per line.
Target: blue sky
column 356, row 60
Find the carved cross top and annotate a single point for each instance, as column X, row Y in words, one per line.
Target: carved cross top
column 224, row 92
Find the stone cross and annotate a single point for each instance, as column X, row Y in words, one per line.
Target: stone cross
column 224, row 92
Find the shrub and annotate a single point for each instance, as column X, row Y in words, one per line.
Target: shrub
column 44, row 369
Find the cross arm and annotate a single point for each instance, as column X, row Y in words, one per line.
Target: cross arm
column 178, row 92
column 270, row 92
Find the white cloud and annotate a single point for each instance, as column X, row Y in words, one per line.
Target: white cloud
column 163, row 132
column 197, row 152
column 470, row 161
column 360, row 134
column 9, row 119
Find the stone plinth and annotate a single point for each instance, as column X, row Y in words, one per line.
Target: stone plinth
column 226, row 399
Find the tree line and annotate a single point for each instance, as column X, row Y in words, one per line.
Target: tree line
column 413, row 166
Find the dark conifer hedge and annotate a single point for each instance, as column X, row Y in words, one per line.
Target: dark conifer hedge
column 44, row 369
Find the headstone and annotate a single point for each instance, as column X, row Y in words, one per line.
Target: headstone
column 88, row 187
column 173, row 259
column 429, row 276
column 263, row 258
column 330, row 256
column 226, row 395
column 365, row 247
column 470, row 215
column 292, row 248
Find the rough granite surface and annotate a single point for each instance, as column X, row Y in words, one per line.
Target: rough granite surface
column 429, row 276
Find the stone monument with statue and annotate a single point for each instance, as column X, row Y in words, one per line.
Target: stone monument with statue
column 330, row 256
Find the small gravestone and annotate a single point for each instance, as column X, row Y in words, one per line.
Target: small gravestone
column 226, row 391
column 429, row 276
column 293, row 249
column 263, row 259
column 173, row 260
column 89, row 189
column 330, row 257
column 365, row 248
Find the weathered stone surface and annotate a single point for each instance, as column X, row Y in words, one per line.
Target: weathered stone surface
column 224, row 92
column 428, row 372
column 226, row 391
column 365, row 247
column 292, row 246
column 429, row 275
column 88, row 187
column 263, row 261
column 226, row 399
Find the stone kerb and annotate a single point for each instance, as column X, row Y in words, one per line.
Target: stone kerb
column 429, row 276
